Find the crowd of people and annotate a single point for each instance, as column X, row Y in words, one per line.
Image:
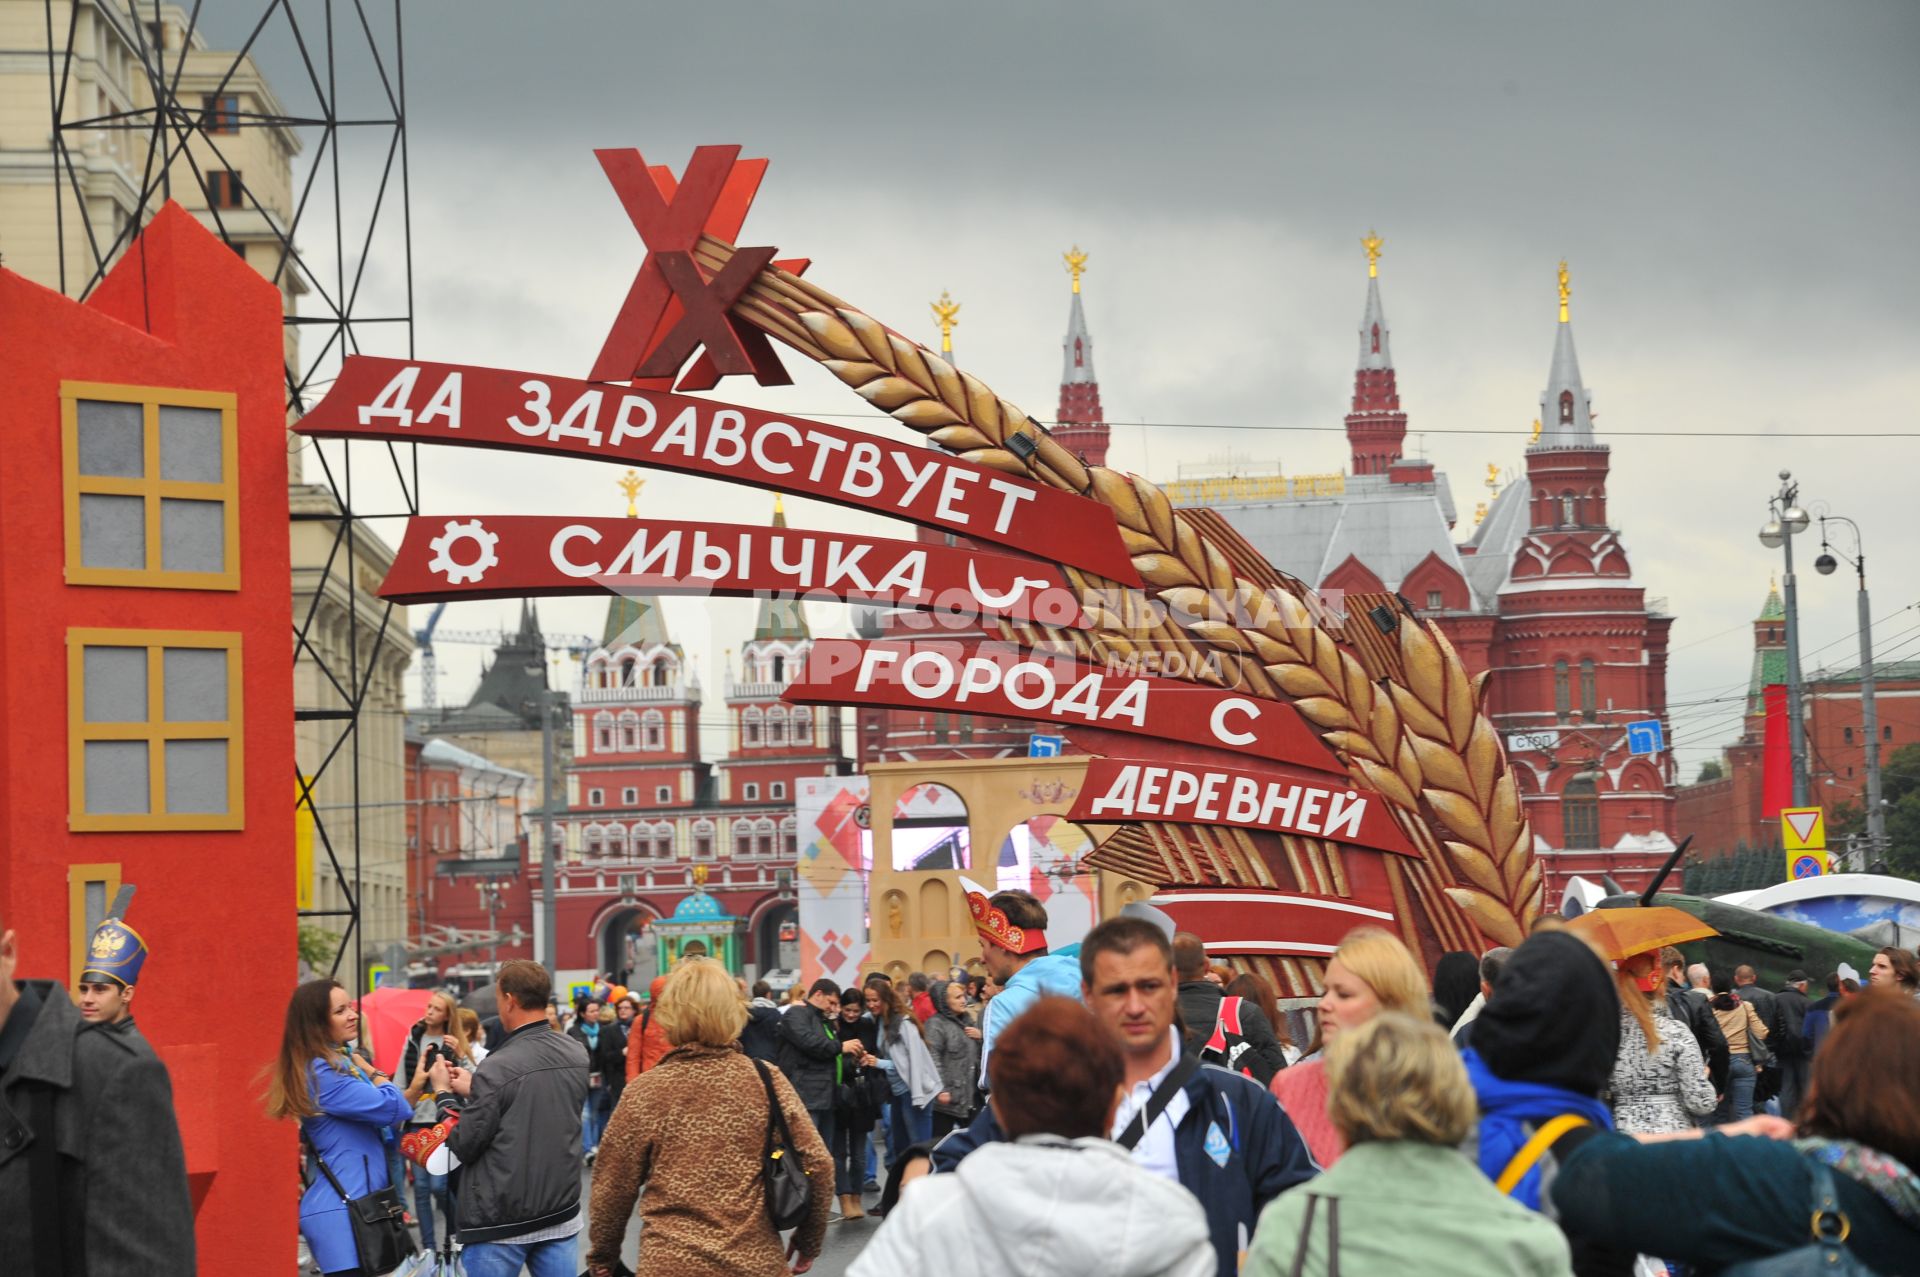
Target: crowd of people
column 1534, row 1110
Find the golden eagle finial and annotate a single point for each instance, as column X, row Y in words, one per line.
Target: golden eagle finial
column 1566, row 290
column 946, row 313
column 631, row 483
column 1076, row 264
column 1372, row 242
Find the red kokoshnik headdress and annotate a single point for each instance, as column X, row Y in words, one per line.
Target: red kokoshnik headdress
column 993, row 926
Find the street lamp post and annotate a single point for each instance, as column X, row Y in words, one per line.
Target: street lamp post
column 1869, row 715
column 549, row 944
column 1786, row 521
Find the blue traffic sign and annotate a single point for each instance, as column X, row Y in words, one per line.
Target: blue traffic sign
column 1645, row 737
column 1045, row 746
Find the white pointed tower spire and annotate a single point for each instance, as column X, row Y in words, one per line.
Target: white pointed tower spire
column 1566, row 409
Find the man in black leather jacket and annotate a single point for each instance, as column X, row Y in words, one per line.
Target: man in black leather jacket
column 1693, row 1011
column 518, row 1139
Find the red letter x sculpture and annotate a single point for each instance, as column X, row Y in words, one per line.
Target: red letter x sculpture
column 672, row 309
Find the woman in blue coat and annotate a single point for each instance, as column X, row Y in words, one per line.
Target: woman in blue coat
column 347, row 1108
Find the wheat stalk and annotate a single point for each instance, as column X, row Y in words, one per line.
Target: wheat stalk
column 1426, row 745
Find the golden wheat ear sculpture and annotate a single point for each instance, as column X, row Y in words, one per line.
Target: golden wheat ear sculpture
column 1405, row 719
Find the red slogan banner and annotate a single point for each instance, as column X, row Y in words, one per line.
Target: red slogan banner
column 378, row 398
column 509, row 556
column 998, row 679
column 1119, row 789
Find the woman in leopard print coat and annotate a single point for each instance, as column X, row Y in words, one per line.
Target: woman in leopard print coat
column 691, row 1131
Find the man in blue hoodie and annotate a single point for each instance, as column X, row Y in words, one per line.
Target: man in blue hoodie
column 1012, row 927
column 1220, row 1134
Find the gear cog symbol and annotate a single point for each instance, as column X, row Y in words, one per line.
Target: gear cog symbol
column 456, row 572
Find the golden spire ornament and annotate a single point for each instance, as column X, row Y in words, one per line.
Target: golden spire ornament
column 1566, row 290
column 1535, row 436
column 1372, row 242
column 631, row 483
column 1076, row 264
column 946, row 313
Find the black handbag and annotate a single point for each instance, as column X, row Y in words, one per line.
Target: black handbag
column 380, row 1237
column 789, row 1191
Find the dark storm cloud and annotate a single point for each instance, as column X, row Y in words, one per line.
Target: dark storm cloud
column 1733, row 184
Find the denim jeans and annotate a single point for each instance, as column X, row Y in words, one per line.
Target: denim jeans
column 906, row 1125
column 593, row 1119
column 557, row 1258
column 1737, row 1104
column 426, row 1188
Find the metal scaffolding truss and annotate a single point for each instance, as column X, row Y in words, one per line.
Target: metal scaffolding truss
column 348, row 65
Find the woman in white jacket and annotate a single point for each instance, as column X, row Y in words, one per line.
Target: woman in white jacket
column 1058, row 1196
column 912, row 1076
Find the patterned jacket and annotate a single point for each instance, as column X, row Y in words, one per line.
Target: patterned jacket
column 691, row 1130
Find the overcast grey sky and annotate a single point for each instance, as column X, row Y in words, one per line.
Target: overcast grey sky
column 1733, row 185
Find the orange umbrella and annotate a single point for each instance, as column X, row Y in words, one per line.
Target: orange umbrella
column 1621, row 933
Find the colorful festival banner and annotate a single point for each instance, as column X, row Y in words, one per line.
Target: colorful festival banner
column 511, row 556
column 378, row 398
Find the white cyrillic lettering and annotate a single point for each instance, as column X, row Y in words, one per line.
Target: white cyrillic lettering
column 582, row 420
column 540, row 404
column 759, row 450
column 564, row 538
column 1344, row 810
column 1011, row 495
column 843, row 562
column 863, row 477
column 1308, row 821
column 872, row 660
column 623, row 427
column 824, row 446
column 908, row 576
column 1243, row 805
column 942, row 668
column 395, row 401
column 1034, row 670
column 728, row 427
column 1118, row 799
column 1131, row 704
column 662, row 558
column 800, row 569
column 950, row 492
column 916, row 479
column 1151, row 779
column 1217, row 723
column 445, row 403
column 683, row 433
column 1083, row 698
column 708, row 560
column 1208, row 808
column 1182, row 787
column 1278, row 808
column 977, row 676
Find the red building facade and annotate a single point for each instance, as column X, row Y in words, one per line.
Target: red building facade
column 147, row 676
column 647, row 817
column 1541, row 595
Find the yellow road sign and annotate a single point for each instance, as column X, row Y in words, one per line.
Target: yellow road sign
column 1803, row 829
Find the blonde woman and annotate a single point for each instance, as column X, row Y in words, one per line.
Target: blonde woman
column 1371, row 972
column 691, row 1130
column 1660, row 1081
column 1400, row 1099
column 438, row 1026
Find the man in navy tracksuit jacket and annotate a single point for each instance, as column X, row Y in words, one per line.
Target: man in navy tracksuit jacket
column 1220, row 1134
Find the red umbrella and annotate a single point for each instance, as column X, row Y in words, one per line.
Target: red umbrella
column 385, row 1017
